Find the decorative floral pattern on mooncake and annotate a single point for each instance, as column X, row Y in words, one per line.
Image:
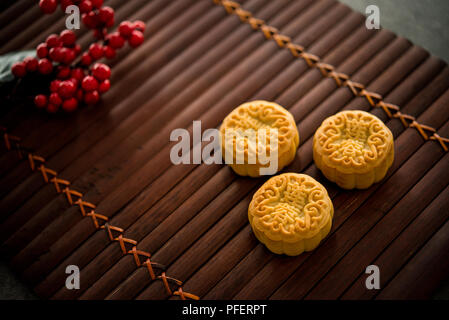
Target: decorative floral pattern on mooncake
column 258, row 119
column 353, row 149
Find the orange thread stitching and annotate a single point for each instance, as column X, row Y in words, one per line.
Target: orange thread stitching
column 122, row 241
column 46, row 171
column 95, row 216
column 69, row 192
column 81, row 204
column 32, row 160
column 137, row 253
column 56, row 181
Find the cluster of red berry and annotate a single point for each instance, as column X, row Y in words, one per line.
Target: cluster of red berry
column 76, row 80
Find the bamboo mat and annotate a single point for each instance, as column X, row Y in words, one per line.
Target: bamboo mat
column 182, row 231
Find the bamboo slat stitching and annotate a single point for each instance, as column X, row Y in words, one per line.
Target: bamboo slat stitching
column 375, row 100
column 87, row 209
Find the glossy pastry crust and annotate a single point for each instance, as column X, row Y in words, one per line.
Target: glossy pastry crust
column 291, row 213
column 257, row 115
column 353, row 149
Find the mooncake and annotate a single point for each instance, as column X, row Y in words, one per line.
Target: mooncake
column 263, row 134
column 354, row 149
column 291, row 213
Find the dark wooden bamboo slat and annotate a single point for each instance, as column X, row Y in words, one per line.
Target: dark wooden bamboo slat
column 88, row 139
column 198, row 64
column 171, row 271
column 421, row 276
column 31, row 30
column 27, row 118
column 252, row 266
column 72, row 151
column 156, row 254
column 363, row 219
column 203, row 279
column 144, row 218
column 58, row 133
column 404, row 246
column 196, row 28
column 133, row 209
column 249, row 264
column 118, row 195
column 337, row 280
column 112, row 140
column 17, row 25
column 13, row 10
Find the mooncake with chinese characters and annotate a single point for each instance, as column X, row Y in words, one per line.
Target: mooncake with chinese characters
column 291, row 213
column 354, row 149
column 259, row 138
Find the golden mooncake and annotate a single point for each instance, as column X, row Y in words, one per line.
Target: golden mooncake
column 291, row 213
column 259, row 138
column 354, row 149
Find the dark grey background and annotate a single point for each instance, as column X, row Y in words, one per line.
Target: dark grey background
column 425, row 22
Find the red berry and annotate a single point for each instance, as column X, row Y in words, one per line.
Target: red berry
column 63, row 72
column 96, row 51
column 48, row 6
column 77, row 49
column 54, row 85
column 77, row 73
column 89, row 83
column 53, row 41
column 90, row 19
column 52, row 108
column 19, row 70
column 74, row 81
column 125, row 28
column 91, row 97
column 85, row 6
column 66, row 89
column 115, row 40
column 101, row 71
column 109, row 52
column 30, row 63
column 69, row 56
column 86, row 59
column 70, row 105
column 55, row 99
column 139, row 25
column 79, row 95
column 65, row 4
column 97, row 3
column 104, row 86
column 40, row 101
column 105, row 14
column 42, row 50
column 67, row 37
column 136, row 38
column 110, row 23
column 45, row 66
column 57, row 54
column 100, row 33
